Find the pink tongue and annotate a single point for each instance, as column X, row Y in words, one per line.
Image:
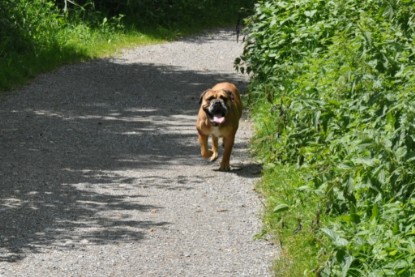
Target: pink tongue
column 218, row 119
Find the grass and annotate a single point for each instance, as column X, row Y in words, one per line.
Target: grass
column 293, row 213
column 80, row 45
column 291, row 218
column 38, row 37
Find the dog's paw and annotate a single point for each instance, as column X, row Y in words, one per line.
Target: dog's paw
column 213, row 157
column 224, row 167
column 207, row 155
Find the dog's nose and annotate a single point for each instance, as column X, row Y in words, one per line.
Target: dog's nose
column 216, row 103
column 217, row 106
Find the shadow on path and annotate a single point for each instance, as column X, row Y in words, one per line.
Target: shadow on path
column 75, row 130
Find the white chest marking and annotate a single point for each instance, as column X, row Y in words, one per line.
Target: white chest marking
column 215, row 131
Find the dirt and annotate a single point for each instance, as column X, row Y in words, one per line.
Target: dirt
column 100, row 171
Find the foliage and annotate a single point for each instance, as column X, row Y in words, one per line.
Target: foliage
column 291, row 217
column 38, row 35
column 169, row 13
column 333, row 82
column 24, row 26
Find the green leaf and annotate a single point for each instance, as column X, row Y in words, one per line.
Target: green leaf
column 310, row 13
column 335, row 238
column 375, row 212
column 364, row 161
column 280, row 208
column 347, row 261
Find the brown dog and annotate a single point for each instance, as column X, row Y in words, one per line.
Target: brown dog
column 219, row 114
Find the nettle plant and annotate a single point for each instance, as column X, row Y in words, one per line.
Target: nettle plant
column 338, row 80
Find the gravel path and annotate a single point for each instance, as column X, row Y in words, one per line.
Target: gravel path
column 100, row 172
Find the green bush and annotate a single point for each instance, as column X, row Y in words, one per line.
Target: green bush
column 334, row 82
column 38, row 35
column 26, row 24
column 171, row 13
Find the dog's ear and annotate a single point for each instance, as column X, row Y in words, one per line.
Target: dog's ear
column 201, row 96
column 230, row 94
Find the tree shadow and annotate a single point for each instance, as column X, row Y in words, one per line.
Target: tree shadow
column 76, row 143
column 222, row 34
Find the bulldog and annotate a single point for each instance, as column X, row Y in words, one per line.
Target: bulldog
column 219, row 114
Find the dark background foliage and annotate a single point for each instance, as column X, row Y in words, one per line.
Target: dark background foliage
column 37, row 35
column 168, row 13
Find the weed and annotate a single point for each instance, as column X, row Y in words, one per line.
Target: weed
column 333, row 84
column 38, row 35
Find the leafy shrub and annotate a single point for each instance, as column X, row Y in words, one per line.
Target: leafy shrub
column 37, row 35
column 26, row 24
column 164, row 13
column 335, row 83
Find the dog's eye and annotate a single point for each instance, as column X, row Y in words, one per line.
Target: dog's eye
column 210, row 98
column 223, row 97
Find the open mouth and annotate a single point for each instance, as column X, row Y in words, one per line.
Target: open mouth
column 217, row 117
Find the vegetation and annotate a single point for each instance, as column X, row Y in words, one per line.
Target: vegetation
column 38, row 35
column 333, row 97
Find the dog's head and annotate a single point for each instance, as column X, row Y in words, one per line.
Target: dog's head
column 216, row 104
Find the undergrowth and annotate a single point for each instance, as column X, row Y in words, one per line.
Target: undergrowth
column 333, row 94
column 291, row 217
column 39, row 35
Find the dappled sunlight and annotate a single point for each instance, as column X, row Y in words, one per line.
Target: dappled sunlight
column 74, row 166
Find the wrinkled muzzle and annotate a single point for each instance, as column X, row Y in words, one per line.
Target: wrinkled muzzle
column 216, row 111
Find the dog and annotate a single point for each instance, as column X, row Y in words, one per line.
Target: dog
column 219, row 114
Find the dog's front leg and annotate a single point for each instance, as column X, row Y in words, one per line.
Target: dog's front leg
column 228, row 143
column 214, row 148
column 203, row 142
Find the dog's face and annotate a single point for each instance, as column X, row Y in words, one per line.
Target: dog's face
column 216, row 104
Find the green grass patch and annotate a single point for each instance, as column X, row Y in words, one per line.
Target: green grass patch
column 74, row 45
column 40, row 35
column 293, row 212
column 292, row 217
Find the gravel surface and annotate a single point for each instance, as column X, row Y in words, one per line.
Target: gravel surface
column 100, row 171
